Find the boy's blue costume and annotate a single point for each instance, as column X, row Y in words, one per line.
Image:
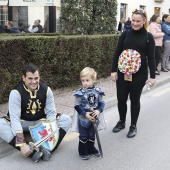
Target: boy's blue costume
column 85, row 100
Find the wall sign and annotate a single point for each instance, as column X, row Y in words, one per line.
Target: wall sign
column 3, row 2
column 31, row 3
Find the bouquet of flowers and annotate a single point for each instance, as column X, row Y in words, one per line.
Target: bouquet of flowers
column 129, row 61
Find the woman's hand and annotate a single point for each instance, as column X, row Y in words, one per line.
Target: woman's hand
column 114, row 76
column 151, row 81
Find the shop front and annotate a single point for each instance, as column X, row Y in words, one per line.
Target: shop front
column 27, row 11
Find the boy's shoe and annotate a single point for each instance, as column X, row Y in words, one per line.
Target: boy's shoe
column 84, row 157
column 120, row 125
column 37, row 156
column 132, row 131
column 96, row 154
column 46, row 154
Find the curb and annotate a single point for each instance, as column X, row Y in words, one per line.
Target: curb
column 6, row 149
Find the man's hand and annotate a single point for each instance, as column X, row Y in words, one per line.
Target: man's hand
column 25, row 150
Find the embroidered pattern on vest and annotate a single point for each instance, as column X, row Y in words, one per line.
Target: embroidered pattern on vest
column 34, row 105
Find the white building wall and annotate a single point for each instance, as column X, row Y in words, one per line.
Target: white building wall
column 149, row 4
column 135, row 4
column 35, row 13
column 39, row 12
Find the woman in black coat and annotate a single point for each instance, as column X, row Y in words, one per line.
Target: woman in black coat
column 134, row 53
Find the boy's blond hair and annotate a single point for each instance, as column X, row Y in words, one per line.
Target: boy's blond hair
column 88, row 70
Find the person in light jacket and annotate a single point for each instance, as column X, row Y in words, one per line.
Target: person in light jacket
column 165, row 25
column 155, row 30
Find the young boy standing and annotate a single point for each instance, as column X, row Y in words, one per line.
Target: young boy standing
column 89, row 105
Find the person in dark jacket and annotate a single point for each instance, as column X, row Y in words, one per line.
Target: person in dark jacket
column 135, row 52
column 128, row 25
column 12, row 28
column 23, row 28
column 121, row 26
column 165, row 25
column 2, row 29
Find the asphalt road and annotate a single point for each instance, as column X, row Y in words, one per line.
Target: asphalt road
column 149, row 150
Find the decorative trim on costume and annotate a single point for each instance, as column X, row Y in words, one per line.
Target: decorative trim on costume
column 20, row 140
column 80, row 91
column 91, row 140
column 83, row 141
column 58, row 116
column 32, row 95
column 7, row 119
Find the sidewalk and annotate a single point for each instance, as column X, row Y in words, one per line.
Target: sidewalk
column 64, row 101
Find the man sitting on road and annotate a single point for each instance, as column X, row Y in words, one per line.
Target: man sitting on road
column 29, row 102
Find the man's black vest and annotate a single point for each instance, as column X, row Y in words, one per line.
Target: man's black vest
column 32, row 103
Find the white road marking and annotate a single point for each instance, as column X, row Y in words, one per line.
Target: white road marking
column 162, row 92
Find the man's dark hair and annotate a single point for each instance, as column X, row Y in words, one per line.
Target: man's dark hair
column 29, row 68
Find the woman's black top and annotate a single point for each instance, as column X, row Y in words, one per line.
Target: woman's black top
column 141, row 41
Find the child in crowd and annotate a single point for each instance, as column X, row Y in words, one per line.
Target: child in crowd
column 89, row 105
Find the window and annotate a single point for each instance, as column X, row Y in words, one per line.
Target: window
column 3, row 14
column 141, row 7
column 122, row 11
column 20, row 15
column 157, row 10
